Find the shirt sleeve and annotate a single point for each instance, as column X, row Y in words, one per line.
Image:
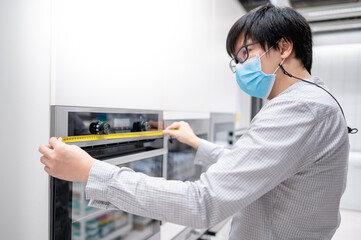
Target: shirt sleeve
column 208, row 153
column 277, row 145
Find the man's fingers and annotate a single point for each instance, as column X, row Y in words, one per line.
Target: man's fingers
column 45, row 150
column 44, row 160
column 174, row 125
column 47, row 169
column 49, row 146
column 54, row 142
column 172, row 133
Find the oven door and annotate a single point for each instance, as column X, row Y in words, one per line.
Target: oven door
column 70, row 216
column 180, row 157
column 73, row 219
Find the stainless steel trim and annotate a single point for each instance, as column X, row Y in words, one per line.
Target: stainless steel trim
column 107, row 110
column 137, row 156
column 165, row 157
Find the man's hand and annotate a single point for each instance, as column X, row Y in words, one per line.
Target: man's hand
column 184, row 134
column 67, row 162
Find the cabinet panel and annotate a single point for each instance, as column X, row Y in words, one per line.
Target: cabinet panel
column 189, row 72
column 139, row 54
column 109, row 53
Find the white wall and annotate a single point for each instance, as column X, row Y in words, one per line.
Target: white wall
column 24, row 117
column 338, row 64
column 144, row 54
column 226, row 96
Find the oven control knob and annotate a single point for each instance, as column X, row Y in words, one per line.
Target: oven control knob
column 141, row 126
column 99, row 128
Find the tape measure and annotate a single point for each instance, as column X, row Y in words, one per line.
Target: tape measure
column 84, row 138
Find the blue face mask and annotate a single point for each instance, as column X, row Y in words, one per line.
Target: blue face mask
column 252, row 80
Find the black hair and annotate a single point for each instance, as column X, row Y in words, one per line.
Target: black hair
column 267, row 24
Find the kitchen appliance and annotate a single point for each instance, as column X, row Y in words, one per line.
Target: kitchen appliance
column 180, row 158
column 222, row 132
column 217, row 128
column 70, row 216
column 222, row 128
column 180, row 166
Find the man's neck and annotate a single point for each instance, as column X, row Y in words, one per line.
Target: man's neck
column 282, row 81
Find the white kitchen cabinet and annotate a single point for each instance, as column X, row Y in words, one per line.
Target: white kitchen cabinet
column 224, row 89
column 143, row 54
column 133, row 54
column 188, row 74
column 109, row 53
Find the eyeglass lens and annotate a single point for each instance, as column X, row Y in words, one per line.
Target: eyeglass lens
column 242, row 54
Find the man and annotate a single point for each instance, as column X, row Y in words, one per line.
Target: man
column 283, row 179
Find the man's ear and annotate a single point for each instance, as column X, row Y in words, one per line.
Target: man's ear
column 286, row 48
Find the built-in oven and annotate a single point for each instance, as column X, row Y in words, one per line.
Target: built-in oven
column 121, row 137
column 181, row 166
column 222, row 130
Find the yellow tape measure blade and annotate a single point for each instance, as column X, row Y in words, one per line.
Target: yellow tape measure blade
column 84, row 138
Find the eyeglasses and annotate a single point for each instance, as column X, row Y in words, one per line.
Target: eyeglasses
column 241, row 56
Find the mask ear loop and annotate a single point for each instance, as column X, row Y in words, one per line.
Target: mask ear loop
column 266, row 52
column 269, row 50
column 349, row 130
column 279, row 65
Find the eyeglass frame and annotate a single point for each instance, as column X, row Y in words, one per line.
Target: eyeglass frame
column 245, row 46
column 235, row 59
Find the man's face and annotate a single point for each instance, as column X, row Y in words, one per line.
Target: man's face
column 269, row 61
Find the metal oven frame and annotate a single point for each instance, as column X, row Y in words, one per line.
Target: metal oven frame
column 59, row 127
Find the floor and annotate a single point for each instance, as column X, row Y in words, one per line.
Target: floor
column 350, row 228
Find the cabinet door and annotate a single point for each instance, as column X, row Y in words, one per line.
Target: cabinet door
column 143, row 54
column 132, row 54
column 188, row 74
column 109, row 53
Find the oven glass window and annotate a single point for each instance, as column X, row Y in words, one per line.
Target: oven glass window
column 87, row 123
column 75, row 220
column 180, row 161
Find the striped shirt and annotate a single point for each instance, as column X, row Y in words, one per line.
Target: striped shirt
column 283, row 179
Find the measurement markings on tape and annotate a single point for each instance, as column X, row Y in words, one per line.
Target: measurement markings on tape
column 83, row 138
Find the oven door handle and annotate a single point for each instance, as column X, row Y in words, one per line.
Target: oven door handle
column 136, row 157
